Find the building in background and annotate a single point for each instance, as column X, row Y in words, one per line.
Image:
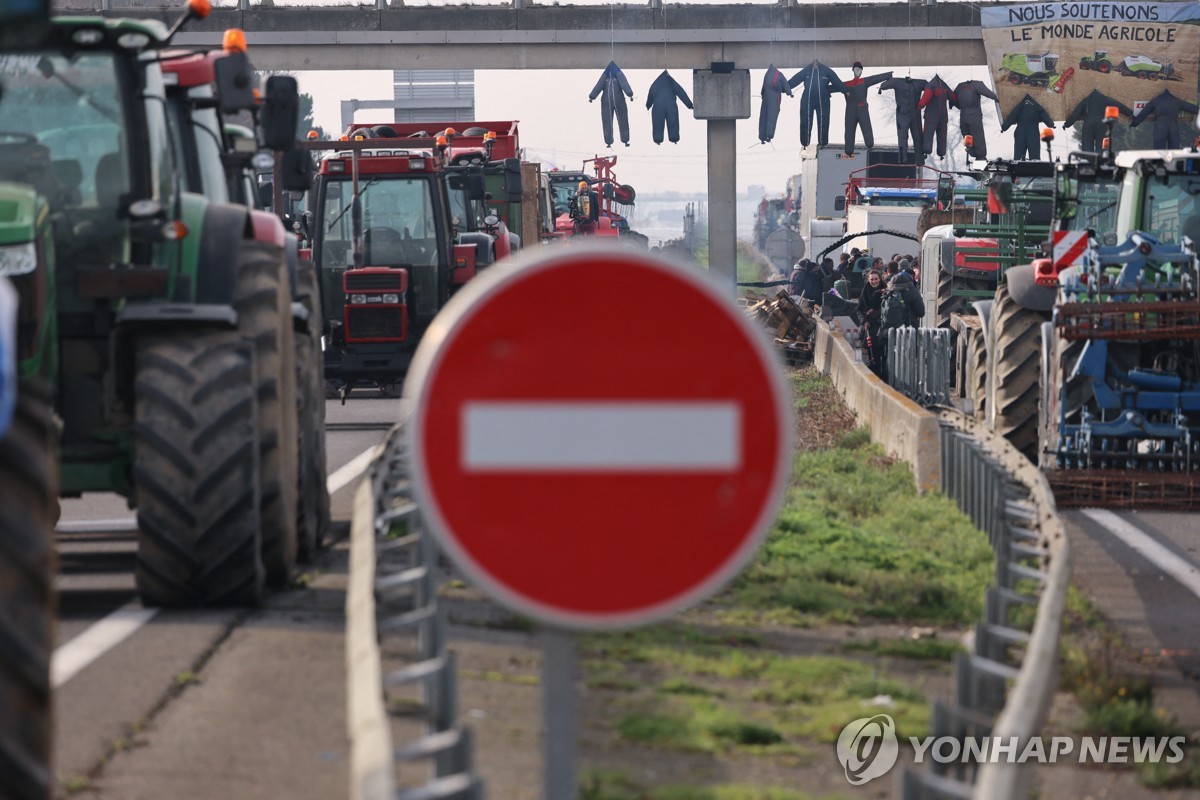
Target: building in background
column 434, row 95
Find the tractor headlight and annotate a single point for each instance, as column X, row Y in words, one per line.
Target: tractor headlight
column 391, row 298
column 18, row 259
column 358, row 299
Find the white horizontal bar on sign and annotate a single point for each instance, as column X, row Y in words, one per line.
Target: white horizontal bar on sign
column 601, row 436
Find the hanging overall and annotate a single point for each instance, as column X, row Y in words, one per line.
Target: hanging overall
column 612, row 89
column 936, row 102
column 1091, row 112
column 858, row 113
column 1165, row 109
column 819, row 82
column 1026, row 115
column 908, row 116
column 968, row 98
column 664, row 108
column 774, row 86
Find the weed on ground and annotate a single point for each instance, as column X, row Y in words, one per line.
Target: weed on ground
column 854, row 545
column 1116, row 693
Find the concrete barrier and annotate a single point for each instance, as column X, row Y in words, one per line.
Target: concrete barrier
column 904, row 429
column 367, row 723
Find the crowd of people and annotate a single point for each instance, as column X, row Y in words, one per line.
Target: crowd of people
column 880, row 297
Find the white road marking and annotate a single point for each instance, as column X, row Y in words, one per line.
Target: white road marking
column 349, row 472
column 601, row 436
column 1152, row 551
column 70, row 659
column 85, row 525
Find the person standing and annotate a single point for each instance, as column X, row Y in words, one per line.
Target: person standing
column 870, row 302
column 902, row 307
column 585, row 210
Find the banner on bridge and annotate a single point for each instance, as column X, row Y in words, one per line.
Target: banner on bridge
column 1058, row 52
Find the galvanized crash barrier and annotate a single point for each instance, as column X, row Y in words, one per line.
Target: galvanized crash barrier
column 1004, row 687
column 919, row 364
column 392, row 597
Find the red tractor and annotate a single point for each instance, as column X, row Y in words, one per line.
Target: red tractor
column 614, row 198
column 388, row 248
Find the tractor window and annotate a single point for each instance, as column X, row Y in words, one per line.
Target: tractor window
column 64, row 133
column 1171, row 206
column 398, row 225
column 1096, row 208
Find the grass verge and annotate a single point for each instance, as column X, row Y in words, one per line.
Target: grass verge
column 854, row 543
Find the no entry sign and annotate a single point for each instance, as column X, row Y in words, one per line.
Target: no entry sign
column 599, row 438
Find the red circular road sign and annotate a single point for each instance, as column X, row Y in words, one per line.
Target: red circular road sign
column 599, row 437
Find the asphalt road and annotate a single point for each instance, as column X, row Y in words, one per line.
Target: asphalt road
column 1142, row 570
column 204, row 704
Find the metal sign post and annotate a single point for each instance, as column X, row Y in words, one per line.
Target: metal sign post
column 560, row 714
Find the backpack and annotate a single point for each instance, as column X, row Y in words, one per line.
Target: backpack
column 894, row 312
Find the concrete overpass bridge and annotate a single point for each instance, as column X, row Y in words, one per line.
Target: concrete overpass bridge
column 656, row 36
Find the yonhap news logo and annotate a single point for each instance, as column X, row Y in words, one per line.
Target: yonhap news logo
column 868, row 748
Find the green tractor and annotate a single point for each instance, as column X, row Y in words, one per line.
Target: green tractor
column 170, row 358
column 1099, row 61
column 27, row 476
column 1028, row 69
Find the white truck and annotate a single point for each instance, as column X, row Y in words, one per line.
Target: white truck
column 825, row 175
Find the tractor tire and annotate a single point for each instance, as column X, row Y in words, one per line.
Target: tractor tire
column 196, row 472
column 1015, row 79
column 1084, row 64
column 28, row 486
column 263, row 301
column 1104, row 67
column 948, row 303
column 975, row 385
column 1014, row 372
column 313, row 495
column 1059, row 356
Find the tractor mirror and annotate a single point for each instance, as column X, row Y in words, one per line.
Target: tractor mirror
column 266, row 195
column 945, row 192
column 839, row 203
column 473, row 185
column 235, row 82
column 513, row 186
column 23, row 22
column 280, row 113
column 297, row 170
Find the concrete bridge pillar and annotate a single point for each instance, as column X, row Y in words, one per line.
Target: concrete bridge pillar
column 722, row 96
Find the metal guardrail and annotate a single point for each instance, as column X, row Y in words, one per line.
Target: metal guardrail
column 919, row 364
column 393, row 592
column 1004, row 687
